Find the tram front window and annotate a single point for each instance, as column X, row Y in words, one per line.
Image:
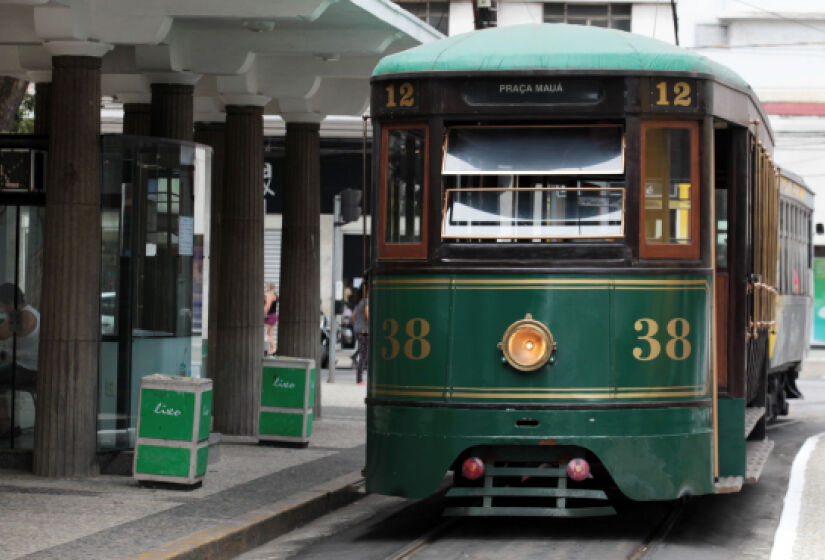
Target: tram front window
column 535, row 183
column 537, row 208
column 669, row 210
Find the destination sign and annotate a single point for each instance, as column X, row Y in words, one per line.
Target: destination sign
column 533, row 91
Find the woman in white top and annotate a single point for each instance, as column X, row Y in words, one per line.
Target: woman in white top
column 24, row 321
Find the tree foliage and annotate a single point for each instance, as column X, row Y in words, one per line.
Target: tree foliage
column 16, row 106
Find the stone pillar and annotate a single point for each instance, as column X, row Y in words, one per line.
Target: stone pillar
column 300, row 244
column 137, row 119
column 239, row 339
column 172, row 111
column 42, row 102
column 212, row 134
column 66, row 423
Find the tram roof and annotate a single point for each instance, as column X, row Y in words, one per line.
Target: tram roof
column 554, row 46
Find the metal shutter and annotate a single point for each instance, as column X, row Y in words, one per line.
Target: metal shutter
column 272, row 257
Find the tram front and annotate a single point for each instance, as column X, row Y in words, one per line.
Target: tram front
column 541, row 289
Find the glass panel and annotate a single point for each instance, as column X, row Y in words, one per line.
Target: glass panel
column 20, row 293
column 722, row 229
column 667, row 188
column 620, row 9
column 27, row 330
column 15, row 169
column 534, row 213
column 434, row 13
column 620, row 23
column 587, row 10
column 534, row 150
column 22, row 169
column 8, row 240
column 153, row 274
column 405, row 180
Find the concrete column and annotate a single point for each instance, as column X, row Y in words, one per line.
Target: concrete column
column 212, row 134
column 172, row 111
column 137, row 119
column 239, row 340
column 300, row 243
column 42, row 102
column 66, row 423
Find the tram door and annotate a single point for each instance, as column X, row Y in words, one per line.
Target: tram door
column 21, row 272
column 722, row 181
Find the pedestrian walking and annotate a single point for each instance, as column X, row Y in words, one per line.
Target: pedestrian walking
column 360, row 317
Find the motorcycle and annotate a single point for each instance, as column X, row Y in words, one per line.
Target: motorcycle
column 346, row 332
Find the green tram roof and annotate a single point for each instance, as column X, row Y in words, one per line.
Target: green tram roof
column 552, row 47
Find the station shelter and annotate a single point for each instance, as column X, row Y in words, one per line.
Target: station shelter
column 143, row 252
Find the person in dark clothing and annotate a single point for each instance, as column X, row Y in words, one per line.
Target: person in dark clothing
column 360, row 317
column 20, row 323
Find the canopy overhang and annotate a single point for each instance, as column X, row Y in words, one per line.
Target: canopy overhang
column 302, row 59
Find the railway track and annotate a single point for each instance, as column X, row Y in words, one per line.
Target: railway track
column 448, row 527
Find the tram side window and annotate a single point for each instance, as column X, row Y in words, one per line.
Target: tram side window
column 670, row 192
column 403, row 196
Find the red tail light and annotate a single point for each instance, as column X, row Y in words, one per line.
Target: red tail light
column 473, row 468
column 578, row 469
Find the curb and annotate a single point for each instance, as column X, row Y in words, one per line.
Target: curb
column 260, row 526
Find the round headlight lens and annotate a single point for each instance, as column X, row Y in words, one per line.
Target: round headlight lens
column 527, row 344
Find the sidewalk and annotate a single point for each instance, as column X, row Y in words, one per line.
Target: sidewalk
column 251, row 490
column 814, row 365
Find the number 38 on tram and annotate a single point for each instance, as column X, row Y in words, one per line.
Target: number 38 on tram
column 574, row 271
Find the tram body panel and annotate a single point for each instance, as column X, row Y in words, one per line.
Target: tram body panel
column 422, row 417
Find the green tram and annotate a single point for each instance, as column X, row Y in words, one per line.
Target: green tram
column 573, row 273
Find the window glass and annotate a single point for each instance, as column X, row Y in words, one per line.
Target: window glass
column 526, row 150
column 22, row 169
column 406, row 153
column 436, row 14
column 668, row 186
column 584, row 10
column 593, row 209
column 615, row 16
column 722, row 229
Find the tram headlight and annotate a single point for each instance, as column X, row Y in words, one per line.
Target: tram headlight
column 527, row 344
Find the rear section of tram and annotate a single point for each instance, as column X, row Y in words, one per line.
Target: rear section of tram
column 562, row 287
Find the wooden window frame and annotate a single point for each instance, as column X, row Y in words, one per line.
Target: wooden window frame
column 402, row 250
column 673, row 250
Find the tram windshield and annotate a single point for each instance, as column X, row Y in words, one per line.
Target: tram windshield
column 533, row 150
column 533, row 183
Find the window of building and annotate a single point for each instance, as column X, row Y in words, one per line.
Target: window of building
column 403, row 196
column 614, row 16
column 436, row 14
column 670, row 190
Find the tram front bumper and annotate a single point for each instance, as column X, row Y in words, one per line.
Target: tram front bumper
column 651, row 453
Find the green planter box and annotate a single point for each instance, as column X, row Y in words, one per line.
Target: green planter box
column 174, row 417
column 287, row 394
